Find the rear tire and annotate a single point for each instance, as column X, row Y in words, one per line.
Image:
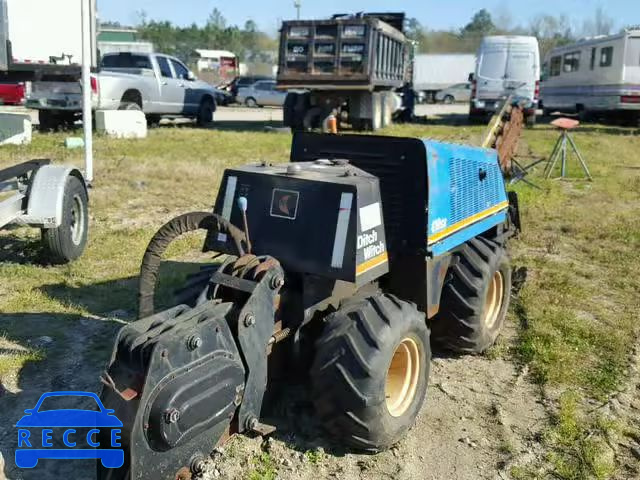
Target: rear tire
column 475, row 298
column 68, row 241
column 531, row 121
column 448, row 99
column 251, row 102
column 371, row 369
column 153, row 121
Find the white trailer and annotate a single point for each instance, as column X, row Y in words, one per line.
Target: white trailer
column 599, row 75
column 435, row 72
column 41, row 43
column 41, row 35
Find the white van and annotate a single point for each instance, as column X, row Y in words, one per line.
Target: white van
column 506, row 65
column 600, row 75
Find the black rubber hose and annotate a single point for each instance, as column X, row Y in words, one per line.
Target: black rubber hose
column 189, row 222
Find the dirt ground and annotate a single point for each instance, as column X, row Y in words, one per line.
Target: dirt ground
column 481, row 418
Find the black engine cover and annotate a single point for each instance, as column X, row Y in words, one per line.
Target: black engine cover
column 189, row 370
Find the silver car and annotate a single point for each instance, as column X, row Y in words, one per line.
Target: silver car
column 260, row 94
column 461, row 92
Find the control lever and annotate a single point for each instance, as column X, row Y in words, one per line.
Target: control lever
column 243, row 204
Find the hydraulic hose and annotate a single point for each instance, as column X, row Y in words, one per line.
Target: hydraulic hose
column 189, row 222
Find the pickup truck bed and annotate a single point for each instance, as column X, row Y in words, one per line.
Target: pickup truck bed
column 157, row 84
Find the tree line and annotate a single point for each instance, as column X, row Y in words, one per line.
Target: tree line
column 254, row 46
column 248, row 42
column 551, row 31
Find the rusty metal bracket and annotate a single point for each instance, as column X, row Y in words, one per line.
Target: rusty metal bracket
column 504, row 132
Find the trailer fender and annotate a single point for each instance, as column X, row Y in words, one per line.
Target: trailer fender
column 46, row 195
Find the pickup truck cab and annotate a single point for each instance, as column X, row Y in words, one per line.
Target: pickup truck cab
column 157, row 84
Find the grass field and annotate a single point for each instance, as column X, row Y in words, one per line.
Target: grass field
column 576, row 314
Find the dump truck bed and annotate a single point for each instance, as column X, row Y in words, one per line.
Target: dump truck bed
column 360, row 52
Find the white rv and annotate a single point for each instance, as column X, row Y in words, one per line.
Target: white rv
column 597, row 75
column 506, row 65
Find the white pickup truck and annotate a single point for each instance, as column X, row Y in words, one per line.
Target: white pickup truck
column 157, row 84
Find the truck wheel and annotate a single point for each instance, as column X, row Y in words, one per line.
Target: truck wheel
column 68, row 241
column 251, row 102
column 370, row 373
column 205, row 112
column 475, row 299
column 448, row 99
column 153, row 121
column 48, row 121
column 530, row 121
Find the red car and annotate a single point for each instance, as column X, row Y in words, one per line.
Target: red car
column 12, row 93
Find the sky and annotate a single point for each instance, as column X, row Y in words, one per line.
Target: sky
column 440, row 14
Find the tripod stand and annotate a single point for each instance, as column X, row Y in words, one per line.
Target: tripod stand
column 560, row 149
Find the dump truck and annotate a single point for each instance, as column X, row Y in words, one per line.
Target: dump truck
column 339, row 267
column 349, row 65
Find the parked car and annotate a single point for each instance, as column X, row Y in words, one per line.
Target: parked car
column 261, row 94
column 507, row 65
column 460, row 92
column 245, row 81
column 157, row 84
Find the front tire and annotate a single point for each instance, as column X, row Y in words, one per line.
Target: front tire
column 251, row 102
column 68, row 241
column 448, row 100
column 205, row 112
column 370, row 373
column 475, row 298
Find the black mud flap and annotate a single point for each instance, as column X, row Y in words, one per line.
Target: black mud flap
column 514, row 213
column 175, row 381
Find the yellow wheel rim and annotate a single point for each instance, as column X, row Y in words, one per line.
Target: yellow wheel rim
column 402, row 377
column 493, row 302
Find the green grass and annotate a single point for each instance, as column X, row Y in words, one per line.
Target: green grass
column 577, row 312
column 575, row 315
column 11, row 362
column 263, row 467
column 314, row 457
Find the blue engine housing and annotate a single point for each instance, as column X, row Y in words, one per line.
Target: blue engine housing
column 435, row 196
column 467, row 194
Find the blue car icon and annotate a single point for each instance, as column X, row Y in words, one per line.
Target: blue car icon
column 36, row 430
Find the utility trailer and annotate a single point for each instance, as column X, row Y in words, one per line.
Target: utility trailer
column 349, row 65
column 41, row 46
column 53, row 198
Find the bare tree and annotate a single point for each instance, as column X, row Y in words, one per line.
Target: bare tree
column 600, row 24
column 503, row 17
column 551, row 31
